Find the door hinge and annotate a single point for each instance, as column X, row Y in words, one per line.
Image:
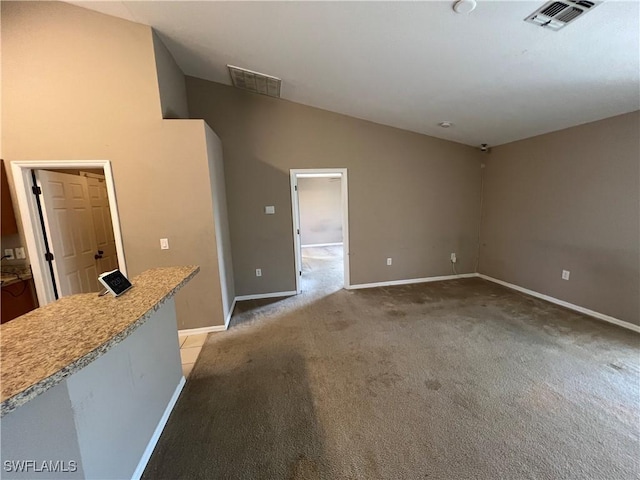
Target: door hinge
column 298, row 231
column 295, row 187
column 300, row 272
column 36, row 190
column 48, row 256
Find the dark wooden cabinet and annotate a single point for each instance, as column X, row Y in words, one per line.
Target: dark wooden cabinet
column 9, row 225
column 17, row 299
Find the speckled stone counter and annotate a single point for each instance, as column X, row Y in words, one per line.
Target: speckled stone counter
column 41, row 348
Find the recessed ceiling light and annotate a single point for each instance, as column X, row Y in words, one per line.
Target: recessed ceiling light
column 464, row 6
column 445, row 124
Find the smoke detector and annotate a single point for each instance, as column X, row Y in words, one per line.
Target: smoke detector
column 558, row 14
column 254, row 81
column 464, row 6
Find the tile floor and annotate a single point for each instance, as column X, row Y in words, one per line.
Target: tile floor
column 190, row 346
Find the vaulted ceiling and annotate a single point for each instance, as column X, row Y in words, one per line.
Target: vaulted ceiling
column 413, row 65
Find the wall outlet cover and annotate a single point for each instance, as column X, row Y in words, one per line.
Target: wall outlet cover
column 20, row 254
column 565, row 274
column 389, row 261
column 164, row 244
column 270, row 210
column 258, row 272
column 8, row 253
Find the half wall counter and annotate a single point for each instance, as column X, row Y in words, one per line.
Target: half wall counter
column 88, row 382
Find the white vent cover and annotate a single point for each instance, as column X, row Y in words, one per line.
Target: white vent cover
column 557, row 14
column 254, row 81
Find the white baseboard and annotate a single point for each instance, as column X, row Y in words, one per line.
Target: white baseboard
column 411, row 280
column 562, row 303
column 198, row 331
column 258, row 296
column 230, row 314
column 322, row 245
column 158, row 431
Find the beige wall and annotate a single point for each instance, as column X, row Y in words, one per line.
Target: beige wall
column 173, row 93
column 411, row 197
column 219, row 201
column 81, row 85
column 320, row 201
column 568, row 200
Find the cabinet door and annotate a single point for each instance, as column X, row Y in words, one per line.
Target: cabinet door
column 9, row 225
column 17, row 299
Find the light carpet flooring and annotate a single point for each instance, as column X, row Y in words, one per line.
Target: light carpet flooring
column 461, row 379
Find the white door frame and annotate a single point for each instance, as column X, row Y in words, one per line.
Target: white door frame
column 295, row 211
column 28, row 208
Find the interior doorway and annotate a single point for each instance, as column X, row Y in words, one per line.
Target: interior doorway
column 76, row 216
column 321, row 228
column 71, row 224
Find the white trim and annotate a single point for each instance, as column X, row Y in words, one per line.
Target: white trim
column 258, row 296
column 319, row 175
column 230, row 314
column 412, row 280
column 322, row 245
column 142, row 464
column 562, row 303
column 213, row 328
column 295, row 210
column 198, row 331
column 21, row 171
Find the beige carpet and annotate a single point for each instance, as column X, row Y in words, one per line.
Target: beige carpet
column 452, row 380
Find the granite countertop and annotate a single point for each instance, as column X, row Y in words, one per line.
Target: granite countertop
column 39, row 349
column 11, row 274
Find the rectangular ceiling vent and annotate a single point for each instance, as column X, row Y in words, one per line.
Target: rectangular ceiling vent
column 556, row 15
column 254, row 81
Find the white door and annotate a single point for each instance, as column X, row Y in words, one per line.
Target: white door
column 103, row 227
column 296, row 225
column 67, row 214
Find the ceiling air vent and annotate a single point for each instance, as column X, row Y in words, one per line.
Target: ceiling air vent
column 254, row 81
column 555, row 15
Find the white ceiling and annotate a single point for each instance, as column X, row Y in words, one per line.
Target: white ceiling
column 412, row 65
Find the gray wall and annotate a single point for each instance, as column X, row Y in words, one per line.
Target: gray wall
column 320, row 201
column 411, row 197
column 173, row 94
column 42, row 430
column 568, row 200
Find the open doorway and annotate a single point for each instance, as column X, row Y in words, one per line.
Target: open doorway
column 71, row 224
column 320, row 222
column 75, row 213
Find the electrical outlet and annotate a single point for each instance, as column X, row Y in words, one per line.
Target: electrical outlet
column 20, row 253
column 8, row 254
column 270, row 210
column 258, row 272
column 389, row 261
column 164, row 244
column 453, row 258
column 565, row 274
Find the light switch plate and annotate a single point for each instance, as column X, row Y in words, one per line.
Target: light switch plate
column 269, row 210
column 164, row 244
column 8, row 253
